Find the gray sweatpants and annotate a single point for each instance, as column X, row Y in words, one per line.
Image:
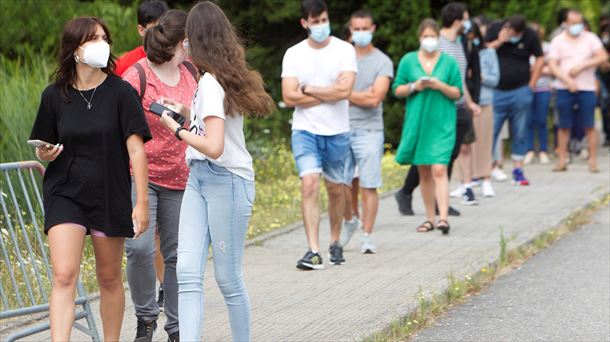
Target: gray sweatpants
column 164, row 211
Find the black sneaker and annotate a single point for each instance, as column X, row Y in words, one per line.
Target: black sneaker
column 451, row 212
column 174, row 337
column 468, row 197
column 404, row 203
column 310, row 261
column 336, row 254
column 145, row 330
column 161, row 297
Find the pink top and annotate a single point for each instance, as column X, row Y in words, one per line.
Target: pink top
column 570, row 51
column 166, row 154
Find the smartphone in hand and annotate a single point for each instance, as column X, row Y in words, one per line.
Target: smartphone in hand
column 158, row 109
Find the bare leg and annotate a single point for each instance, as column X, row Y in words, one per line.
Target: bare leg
column 348, row 213
column 426, row 183
column 563, row 136
column 441, row 186
column 66, row 243
column 592, row 141
column 159, row 263
column 108, row 263
column 336, row 208
column 310, row 208
column 370, row 205
column 355, row 188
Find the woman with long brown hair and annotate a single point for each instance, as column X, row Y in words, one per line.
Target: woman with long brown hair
column 219, row 195
column 94, row 126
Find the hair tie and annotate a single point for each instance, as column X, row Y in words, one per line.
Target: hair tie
column 160, row 28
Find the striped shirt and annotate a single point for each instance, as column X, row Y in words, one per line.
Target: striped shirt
column 455, row 50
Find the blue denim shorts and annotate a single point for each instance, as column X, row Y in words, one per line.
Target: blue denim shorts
column 576, row 109
column 366, row 151
column 320, row 154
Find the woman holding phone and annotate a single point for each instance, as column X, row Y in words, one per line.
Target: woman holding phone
column 431, row 83
column 219, row 193
column 98, row 120
column 165, row 75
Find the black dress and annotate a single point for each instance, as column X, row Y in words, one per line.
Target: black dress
column 89, row 183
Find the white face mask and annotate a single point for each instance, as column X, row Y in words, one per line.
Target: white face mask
column 96, row 54
column 429, row 44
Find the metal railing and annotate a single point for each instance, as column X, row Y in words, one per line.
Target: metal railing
column 25, row 273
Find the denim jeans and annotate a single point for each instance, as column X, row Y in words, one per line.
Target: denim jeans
column 215, row 211
column 514, row 106
column 164, row 208
column 537, row 122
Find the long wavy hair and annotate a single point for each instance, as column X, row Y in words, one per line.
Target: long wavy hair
column 76, row 32
column 216, row 48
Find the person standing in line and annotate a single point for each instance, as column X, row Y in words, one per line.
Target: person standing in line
column 484, row 123
column 514, row 43
column 220, row 193
column 375, row 70
column 573, row 57
column 604, row 77
column 87, row 184
column 162, row 74
column 453, row 16
column 148, row 15
column 431, row 82
column 318, row 75
column 537, row 123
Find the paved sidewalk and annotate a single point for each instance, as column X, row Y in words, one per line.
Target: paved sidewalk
column 561, row 294
column 352, row 301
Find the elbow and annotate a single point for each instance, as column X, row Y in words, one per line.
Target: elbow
column 215, row 153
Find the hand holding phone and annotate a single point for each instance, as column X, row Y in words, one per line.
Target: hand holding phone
column 46, row 151
column 158, row 109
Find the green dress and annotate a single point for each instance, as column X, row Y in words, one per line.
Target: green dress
column 428, row 133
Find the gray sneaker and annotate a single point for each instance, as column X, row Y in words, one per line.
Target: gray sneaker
column 348, row 230
column 367, row 245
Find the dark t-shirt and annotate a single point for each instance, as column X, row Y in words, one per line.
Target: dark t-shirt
column 514, row 59
column 92, row 172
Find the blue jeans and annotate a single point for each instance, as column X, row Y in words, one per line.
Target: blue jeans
column 320, row 154
column 514, row 106
column 215, row 211
column 538, row 120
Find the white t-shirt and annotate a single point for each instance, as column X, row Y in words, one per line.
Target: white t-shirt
column 320, row 67
column 209, row 101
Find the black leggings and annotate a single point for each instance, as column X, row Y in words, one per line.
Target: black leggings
column 412, row 180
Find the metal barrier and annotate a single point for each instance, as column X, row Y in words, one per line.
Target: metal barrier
column 25, row 273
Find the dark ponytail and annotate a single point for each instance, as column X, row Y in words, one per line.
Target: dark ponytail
column 161, row 39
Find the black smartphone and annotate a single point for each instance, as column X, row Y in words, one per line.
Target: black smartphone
column 158, row 109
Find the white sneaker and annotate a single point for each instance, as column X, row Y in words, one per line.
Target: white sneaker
column 367, row 245
column 488, row 190
column 544, row 158
column 348, row 230
column 498, row 175
column 584, row 154
column 475, row 183
column 529, row 158
column 457, row 193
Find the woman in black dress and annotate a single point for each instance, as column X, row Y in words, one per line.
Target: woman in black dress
column 94, row 126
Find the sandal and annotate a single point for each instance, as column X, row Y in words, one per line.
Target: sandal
column 425, row 227
column 443, row 227
column 559, row 168
column 593, row 169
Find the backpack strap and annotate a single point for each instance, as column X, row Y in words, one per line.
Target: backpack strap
column 191, row 68
column 142, row 76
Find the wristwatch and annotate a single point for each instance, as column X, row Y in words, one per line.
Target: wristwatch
column 411, row 87
column 177, row 132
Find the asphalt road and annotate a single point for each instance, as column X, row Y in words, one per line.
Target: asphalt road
column 561, row 294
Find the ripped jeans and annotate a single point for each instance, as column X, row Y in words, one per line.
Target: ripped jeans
column 215, row 210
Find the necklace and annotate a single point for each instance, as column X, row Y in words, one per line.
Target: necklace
column 92, row 95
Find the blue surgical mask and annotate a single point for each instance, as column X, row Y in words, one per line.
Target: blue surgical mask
column 576, row 29
column 362, row 38
column 467, row 25
column 319, row 33
column 476, row 41
column 514, row 39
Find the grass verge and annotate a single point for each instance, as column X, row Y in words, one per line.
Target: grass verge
column 429, row 308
